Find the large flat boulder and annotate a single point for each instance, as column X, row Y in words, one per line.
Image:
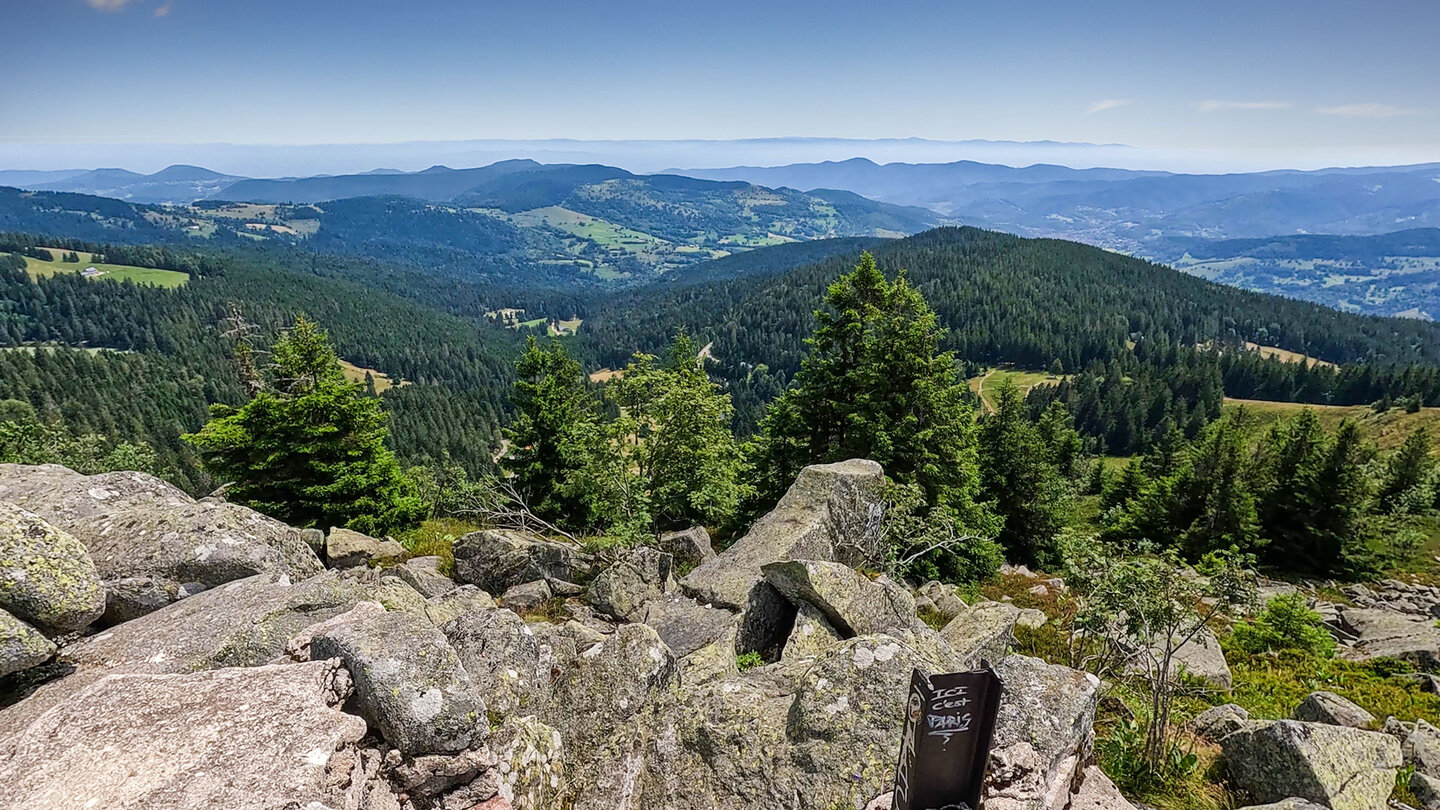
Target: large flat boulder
column 1340, row 768
column 46, row 576
column 832, row 512
column 243, row 739
column 409, row 682
column 690, row 547
column 853, row 603
column 499, row 559
column 1381, row 633
column 347, row 548
column 245, row 623
column 135, row 525
column 684, row 624
column 1199, row 658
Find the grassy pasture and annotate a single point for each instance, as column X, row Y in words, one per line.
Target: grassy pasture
column 355, row 373
column 114, row 272
column 1388, row 430
column 988, row 383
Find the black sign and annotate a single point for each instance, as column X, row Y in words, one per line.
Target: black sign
column 949, row 724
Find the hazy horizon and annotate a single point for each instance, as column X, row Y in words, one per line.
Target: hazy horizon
column 1228, row 86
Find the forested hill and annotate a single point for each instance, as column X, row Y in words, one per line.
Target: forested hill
column 1031, row 302
column 1008, row 299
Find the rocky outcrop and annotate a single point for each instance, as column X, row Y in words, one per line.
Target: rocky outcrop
column 1287, row 804
column 1217, row 723
column 1340, row 768
column 1376, row 633
column 1042, row 736
column 1328, row 707
column 136, row 526
column 423, row 574
column 502, row 656
column 243, row 739
column 982, row 632
column 690, row 547
column 686, row 625
column 941, row 598
column 345, row 548
column 46, row 577
column 409, row 682
column 451, row 604
column 831, row 513
column 854, row 604
column 623, row 589
column 497, row 560
column 527, row 596
column 245, row 623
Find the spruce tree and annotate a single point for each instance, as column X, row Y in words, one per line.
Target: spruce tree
column 554, row 408
column 1020, row 478
column 309, row 448
column 1407, row 469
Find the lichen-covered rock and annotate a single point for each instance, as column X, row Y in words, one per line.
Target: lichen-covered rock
column 943, row 599
column 983, row 631
column 243, row 739
column 527, row 596
column 21, row 646
column 346, row 548
column 1340, row 768
column 637, row 578
column 602, row 689
column 423, row 574
column 684, row 624
column 449, row 605
column 690, row 547
column 46, row 576
column 1042, row 735
column 852, row 602
column 502, row 656
column 408, row 682
column 1426, row 789
column 1421, row 749
column 847, row 714
column 1214, row 724
column 298, row 647
column 811, row 636
column 135, row 525
column 831, row 512
column 531, row 762
column 713, row 661
column 1288, row 804
column 1328, row 707
column 497, row 560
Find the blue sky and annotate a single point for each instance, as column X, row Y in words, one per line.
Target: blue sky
column 1351, row 78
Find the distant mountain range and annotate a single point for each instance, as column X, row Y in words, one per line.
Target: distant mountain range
column 1131, row 210
column 1257, row 231
column 516, row 220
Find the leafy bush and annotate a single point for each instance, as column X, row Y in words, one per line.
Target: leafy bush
column 749, row 660
column 1287, row 623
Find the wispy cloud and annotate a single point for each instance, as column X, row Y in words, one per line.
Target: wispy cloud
column 1366, row 110
column 109, row 5
column 164, row 9
column 1108, row 104
column 1216, row 105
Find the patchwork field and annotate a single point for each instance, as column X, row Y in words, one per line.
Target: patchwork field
column 114, row 272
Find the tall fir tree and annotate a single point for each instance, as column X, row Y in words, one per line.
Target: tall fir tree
column 309, row 448
column 1020, row 478
column 554, row 408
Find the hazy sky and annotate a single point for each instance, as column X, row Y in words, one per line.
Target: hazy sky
column 1352, row 78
